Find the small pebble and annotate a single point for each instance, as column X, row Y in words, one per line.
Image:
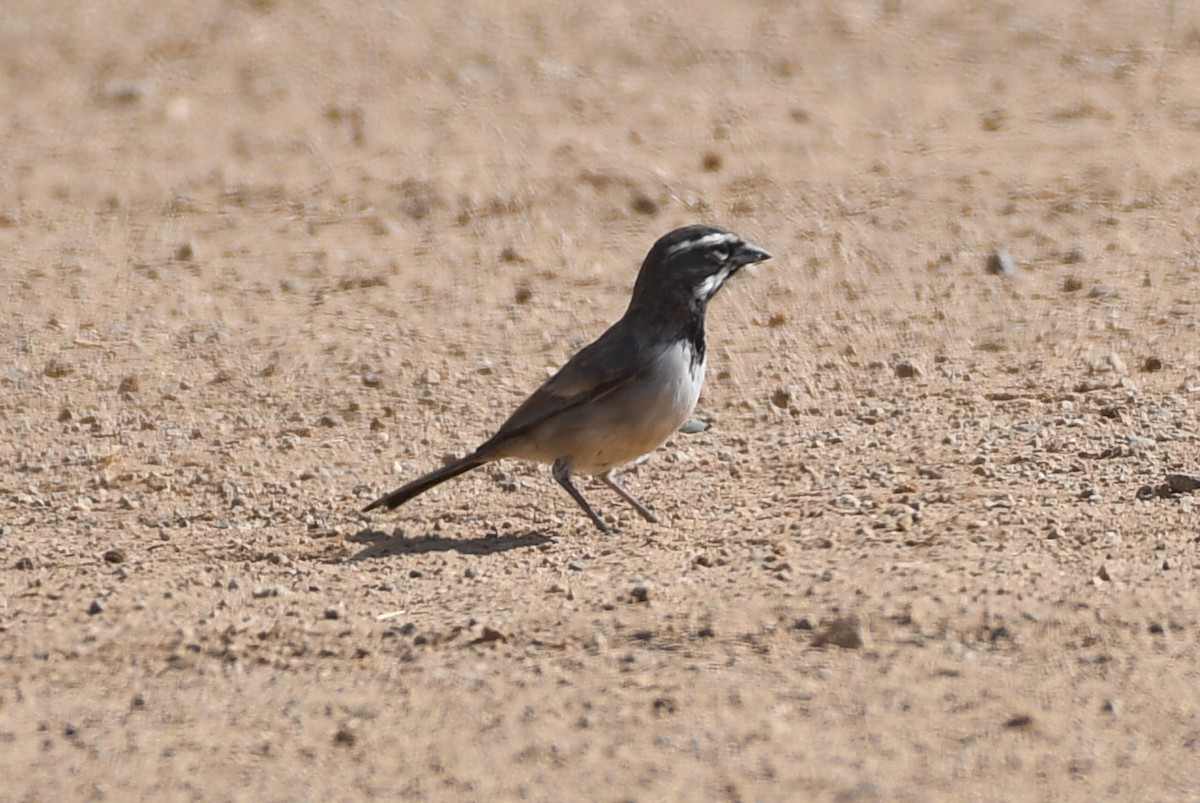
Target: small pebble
column 56, row 369
column 666, row 705
column 1182, row 483
column 1141, row 444
column 844, row 632
column 1001, row 263
column 644, row 205
column 489, row 634
column 993, row 120
column 1075, row 256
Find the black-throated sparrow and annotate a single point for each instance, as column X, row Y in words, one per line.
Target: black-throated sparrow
column 625, row 394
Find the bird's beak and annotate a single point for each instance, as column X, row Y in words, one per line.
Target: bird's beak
column 748, row 254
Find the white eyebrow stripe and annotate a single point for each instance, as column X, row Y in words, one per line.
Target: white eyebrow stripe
column 707, row 241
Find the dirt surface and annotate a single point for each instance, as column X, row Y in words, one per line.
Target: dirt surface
column 264, row 260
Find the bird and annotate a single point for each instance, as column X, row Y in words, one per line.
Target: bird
column 624, row 394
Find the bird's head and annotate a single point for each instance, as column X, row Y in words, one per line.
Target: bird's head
column 691, row 264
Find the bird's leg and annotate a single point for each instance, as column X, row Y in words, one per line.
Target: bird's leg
column 562, row 474
column 610, row 479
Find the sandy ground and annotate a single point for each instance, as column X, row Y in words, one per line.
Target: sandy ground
column 264, row 260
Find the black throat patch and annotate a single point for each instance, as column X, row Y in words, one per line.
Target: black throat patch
column 693, row 333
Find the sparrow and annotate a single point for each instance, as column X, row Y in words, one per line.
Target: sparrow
column 623, row 395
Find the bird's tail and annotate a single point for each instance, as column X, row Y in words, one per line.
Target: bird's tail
column 422, row 484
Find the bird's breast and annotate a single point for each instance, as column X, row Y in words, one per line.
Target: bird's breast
column 680, row 377
column 643, row 414
column 632, row 420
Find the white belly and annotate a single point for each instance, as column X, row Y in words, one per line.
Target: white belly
column 633, row 420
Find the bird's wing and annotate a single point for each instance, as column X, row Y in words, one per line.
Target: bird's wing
column 595, row 371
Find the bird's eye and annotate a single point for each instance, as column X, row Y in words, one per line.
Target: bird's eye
column 719, row 254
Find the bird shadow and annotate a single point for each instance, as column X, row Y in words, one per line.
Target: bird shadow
column 382, row 544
